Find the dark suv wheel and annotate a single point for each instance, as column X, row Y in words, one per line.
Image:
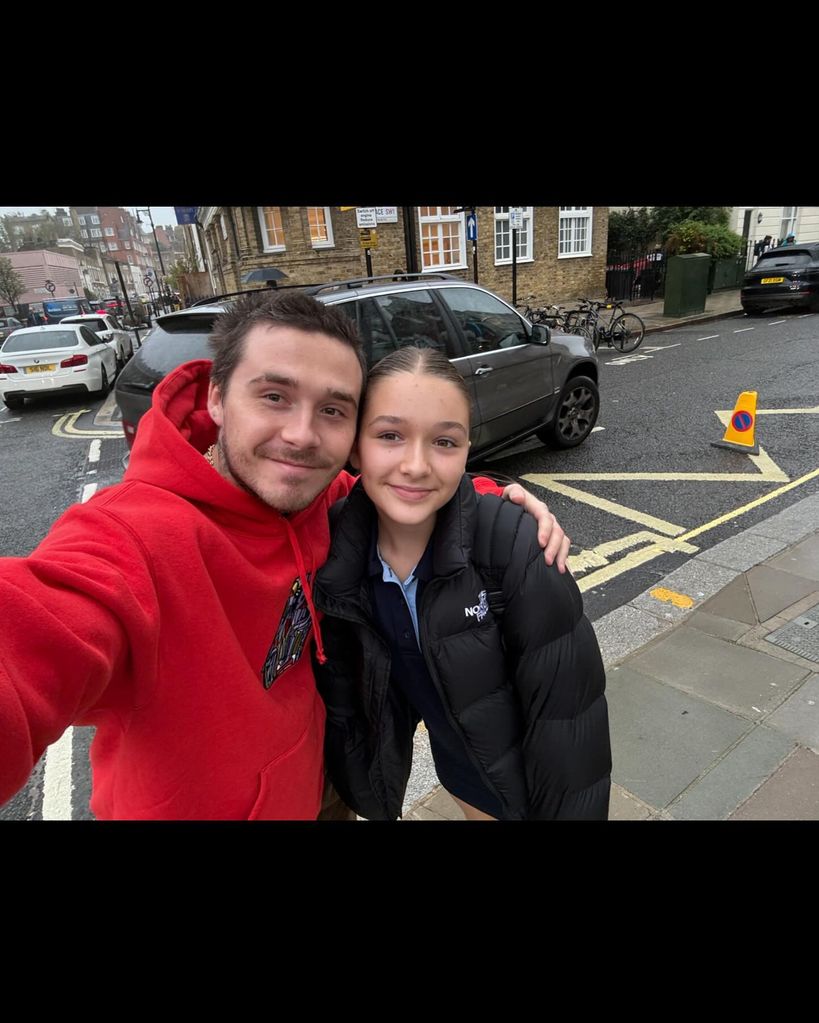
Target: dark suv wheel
column 577, row 410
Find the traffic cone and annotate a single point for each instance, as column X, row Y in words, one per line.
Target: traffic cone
column 739, row 434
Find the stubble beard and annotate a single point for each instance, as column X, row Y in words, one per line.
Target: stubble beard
column 287, row 500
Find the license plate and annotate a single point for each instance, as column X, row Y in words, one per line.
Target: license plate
column 49, row 368
column 773, row 280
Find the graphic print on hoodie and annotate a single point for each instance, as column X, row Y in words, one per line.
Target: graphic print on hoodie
column 291, row 635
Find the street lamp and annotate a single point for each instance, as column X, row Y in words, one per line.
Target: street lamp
column 156, row 243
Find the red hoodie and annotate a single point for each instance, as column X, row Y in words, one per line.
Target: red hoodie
column 169, row 612
column 173, row 612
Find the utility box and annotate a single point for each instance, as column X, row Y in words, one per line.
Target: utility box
column 686, row 284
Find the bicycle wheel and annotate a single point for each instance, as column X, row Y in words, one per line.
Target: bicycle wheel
column 627, row 332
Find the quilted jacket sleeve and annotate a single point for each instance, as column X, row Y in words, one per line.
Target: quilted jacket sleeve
column 559, row 677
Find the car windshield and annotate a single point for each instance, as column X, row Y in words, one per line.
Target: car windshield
column 98, row 326
column 771, row 260
column 9, row 323
column 39, row 341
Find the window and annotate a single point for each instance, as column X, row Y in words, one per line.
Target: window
column 321, row 228
column 67, row 221
column 84, row 233
column 81, row 220
column 112, row 246
column 487, row 323
column 96, row 233
column 127, row 245
column 224, row 225
column 575, row 232
column 270, row 219
column 411, row 318
column 94, row 218
column 503, row 236
column 442, row 237
column 788, row 222
column 109, row 232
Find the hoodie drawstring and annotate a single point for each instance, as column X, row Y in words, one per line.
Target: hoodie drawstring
column 308, row 592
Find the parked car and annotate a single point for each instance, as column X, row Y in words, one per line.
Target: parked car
column 523, row 378
column 783, row 277
column 110, row 330
column 7, row 325
column 57, row 357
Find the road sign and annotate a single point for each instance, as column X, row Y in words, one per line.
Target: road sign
column 365, row 216
column 368, row 238
column 51, row 286
column 472, row 228
column 516, row 217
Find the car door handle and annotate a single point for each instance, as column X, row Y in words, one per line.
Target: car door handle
column 481, row 371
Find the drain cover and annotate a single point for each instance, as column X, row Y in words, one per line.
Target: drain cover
column 801, row 636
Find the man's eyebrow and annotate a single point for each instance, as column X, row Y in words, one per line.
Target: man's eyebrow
column 282, row 381
column 445, row 424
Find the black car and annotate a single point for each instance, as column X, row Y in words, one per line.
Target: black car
column 523, row 378
column 785, row 277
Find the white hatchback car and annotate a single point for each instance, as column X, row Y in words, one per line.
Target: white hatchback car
column 56, row 357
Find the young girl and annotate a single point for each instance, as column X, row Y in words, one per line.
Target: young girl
column 439, row 606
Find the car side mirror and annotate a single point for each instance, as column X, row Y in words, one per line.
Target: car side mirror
column 541, row 335
column 106, row 335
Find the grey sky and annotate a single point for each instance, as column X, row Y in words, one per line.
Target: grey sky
column 163, row 215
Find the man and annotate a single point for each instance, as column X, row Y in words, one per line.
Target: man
column 173, row 611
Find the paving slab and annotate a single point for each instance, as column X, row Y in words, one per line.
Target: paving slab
column 737, row 678
column 772, row 589
column 623, row 806
column 793, row 523
column 734, row 602
column 442, row 803
column 734, row 778
column 791, row 794
column 802, row 560
column 663, row 739
column 798, row 717
column 716, row 625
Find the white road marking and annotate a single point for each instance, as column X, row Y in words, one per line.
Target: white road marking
column 94, row 451
column 57, row 771
column 709, row 338
column 4, row 421
column 743, row 329
column 776, row 323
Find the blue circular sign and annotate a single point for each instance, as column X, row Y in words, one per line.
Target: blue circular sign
column 742, row 421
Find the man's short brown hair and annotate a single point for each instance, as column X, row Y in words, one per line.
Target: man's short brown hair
column 277, row 309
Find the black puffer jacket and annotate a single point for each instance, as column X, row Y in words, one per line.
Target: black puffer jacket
column 524, row 687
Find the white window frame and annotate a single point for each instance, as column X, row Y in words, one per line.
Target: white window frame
column 84, row 233
column 96, row 233
column 266, row 246
column 113, row 247
column 67, row 221
column 571, row 214
column 109, row 232
column 94, row 218
column 528, row 220
column 440, row 219
column 788, row 221
column 328, row 223
column 81, row 219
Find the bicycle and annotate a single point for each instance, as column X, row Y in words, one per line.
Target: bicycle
column 553, row 316
column 624, row 331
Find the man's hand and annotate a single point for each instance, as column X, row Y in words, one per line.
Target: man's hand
column 549, row 531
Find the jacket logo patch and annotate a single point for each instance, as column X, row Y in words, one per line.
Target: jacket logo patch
column 291, row 635
column 480, row 609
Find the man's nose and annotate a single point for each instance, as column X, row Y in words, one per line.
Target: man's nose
column 300, row 429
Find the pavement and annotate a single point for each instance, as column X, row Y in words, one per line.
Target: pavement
column 712, row 675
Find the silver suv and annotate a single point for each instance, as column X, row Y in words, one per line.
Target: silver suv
column 524, row 379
